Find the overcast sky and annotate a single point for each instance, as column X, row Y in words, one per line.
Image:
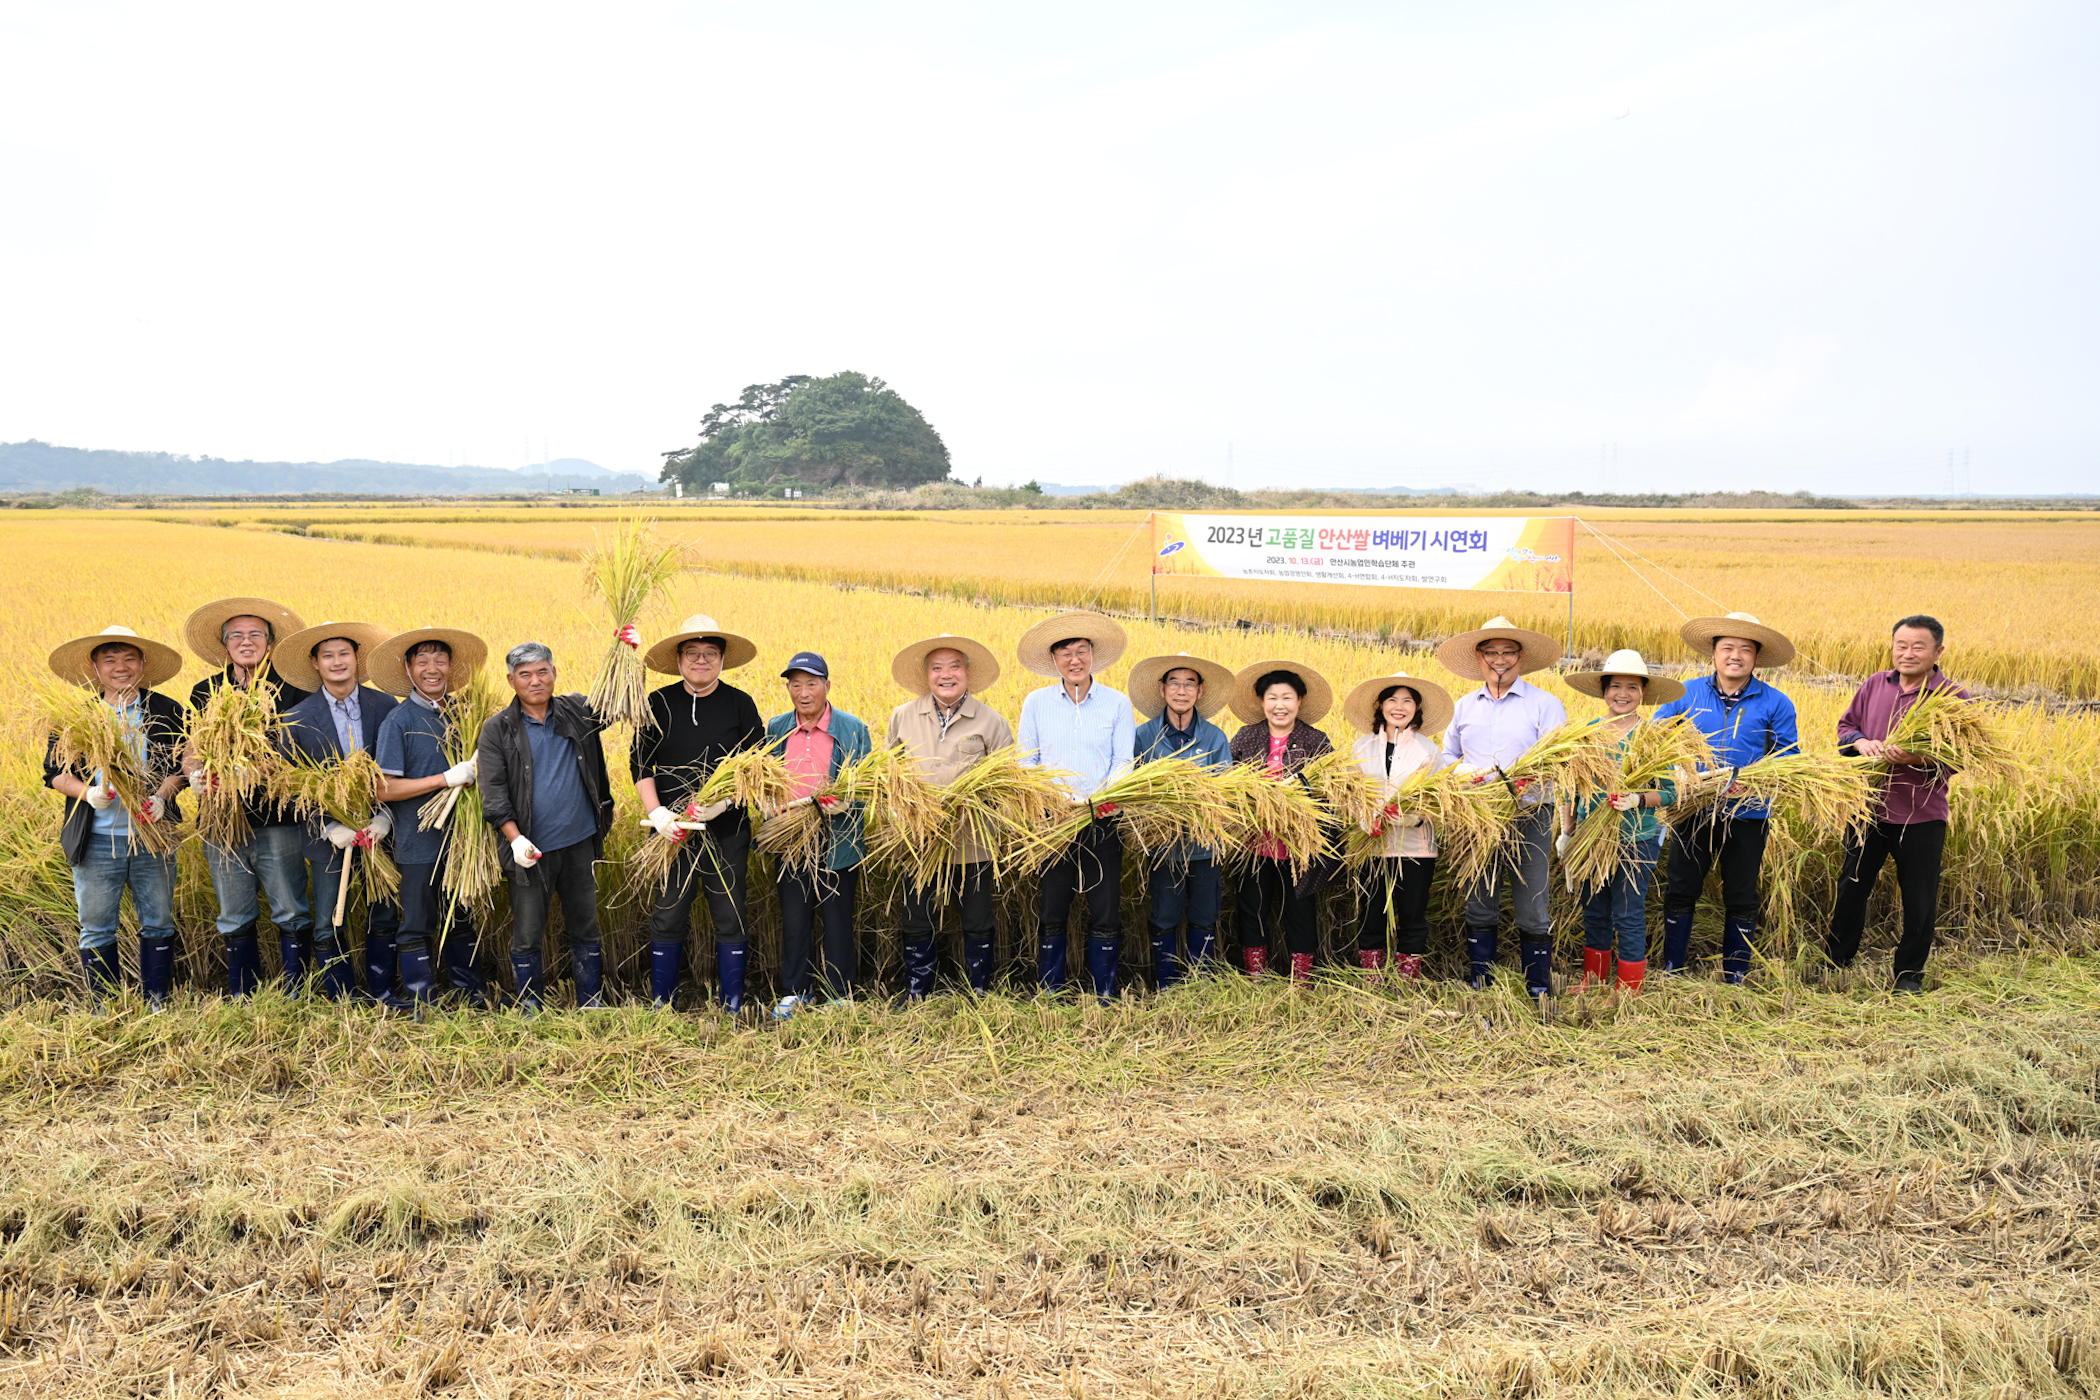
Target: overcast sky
column 1790, row 244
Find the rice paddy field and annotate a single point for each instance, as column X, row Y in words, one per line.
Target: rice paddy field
column 1799, row 1188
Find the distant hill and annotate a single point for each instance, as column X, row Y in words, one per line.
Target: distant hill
column 40, row 466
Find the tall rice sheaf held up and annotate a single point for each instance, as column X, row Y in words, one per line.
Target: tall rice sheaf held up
column 630, row 571
column 472, row 869
column 238, row 741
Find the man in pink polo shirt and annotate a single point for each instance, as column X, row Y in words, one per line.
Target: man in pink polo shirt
column 815, row 741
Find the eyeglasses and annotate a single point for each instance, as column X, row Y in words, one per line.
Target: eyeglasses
column 247, row 636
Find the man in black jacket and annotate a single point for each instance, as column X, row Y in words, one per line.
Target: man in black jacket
column 104, row 841
column 541, row 767
column 237, row 635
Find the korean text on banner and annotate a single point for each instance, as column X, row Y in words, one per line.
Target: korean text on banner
column 1504, row 554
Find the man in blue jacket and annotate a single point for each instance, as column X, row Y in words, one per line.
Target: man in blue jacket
column 816, row 741
column 1745, row 720
column 343, row 714
column 1180, row 693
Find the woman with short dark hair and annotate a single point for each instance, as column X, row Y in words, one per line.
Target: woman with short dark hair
column 1398, row 714
column 1279, row 701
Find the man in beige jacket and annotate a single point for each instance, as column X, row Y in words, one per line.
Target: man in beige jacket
column 948, row 729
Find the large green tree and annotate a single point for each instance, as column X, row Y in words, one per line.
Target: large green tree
column 843, row 430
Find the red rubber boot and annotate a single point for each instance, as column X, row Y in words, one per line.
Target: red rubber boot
column 1372, row 960
column 1301, row 968
column 1596, row 967
column 1631, row 973
column 1408, row 967
column 1256, row 960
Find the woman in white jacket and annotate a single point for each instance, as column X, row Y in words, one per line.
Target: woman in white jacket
column 1398, row 714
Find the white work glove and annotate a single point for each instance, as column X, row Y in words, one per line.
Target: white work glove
column 460, row 774
column 382, row 823
column 709, row 812
column 524, row 852
column 98, row 794
column 666, row 823
column 1410, row 819
column 1560, row 846
column 201, row 780
column 153, row 808
column 1625, row 801
column 339, row 836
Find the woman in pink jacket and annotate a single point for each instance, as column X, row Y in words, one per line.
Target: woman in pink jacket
column 1399, row 714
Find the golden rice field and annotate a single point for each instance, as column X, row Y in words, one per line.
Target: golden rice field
column 1834, row 581
column 1786, row 1190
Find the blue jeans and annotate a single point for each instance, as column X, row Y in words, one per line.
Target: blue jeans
column 382, row 919
column 98, row 890
column 273, row 861
column 1622, row 904
column 1193, row 889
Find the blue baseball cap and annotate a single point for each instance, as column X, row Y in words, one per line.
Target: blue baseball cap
column 807, row 661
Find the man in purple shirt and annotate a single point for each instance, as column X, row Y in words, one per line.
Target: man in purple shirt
column 1490, row 729
column 1911, row 825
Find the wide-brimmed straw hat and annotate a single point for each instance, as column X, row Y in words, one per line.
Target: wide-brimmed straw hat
column 388, row 663
column 69, row 661
column 1103, row 631
column 202, row 628
column 1145, row 677
column 294, row 659
column 1773, row 648
column 736, row 650
column 1457, row 654
column 1318, row 700
column 909, row 665
column 1657, row 690
column 1361, row 706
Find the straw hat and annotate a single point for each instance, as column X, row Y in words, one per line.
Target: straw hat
column 69, row 662
column 1145, row 677
column 1773, row 648
column 909, row 665
column 1362, row 705
column 201, row 630
column 388, row 662
column 1104, row 632
column 1457, row 656
column 1319, row 695
column 1658, row 690
column 736, row 651
column 294, row 659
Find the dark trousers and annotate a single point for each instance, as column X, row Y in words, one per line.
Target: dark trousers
column 1396, row 905
column 1917, row 849
column 1269, row 881
column 803, row 900
column 922, row 911
column 712, row 867
column 1093, row 867
column 1736, row 844
column 1192, row 888
column 567, row 875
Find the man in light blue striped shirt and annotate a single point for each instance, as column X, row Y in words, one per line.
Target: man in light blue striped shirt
column 1085, row 730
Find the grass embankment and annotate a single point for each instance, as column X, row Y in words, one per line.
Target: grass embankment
column 1225, row 1191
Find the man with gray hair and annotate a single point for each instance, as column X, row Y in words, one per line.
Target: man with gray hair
column 541, row 767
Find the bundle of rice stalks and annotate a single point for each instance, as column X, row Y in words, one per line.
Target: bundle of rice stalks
column 899, row 807
column 1470, row 820
column 1574, row 760
column 1282, row 808
column 754, row 779
column 1830, row 795
column 1955, row 734
column 342, row 789
column 1169, row 801
column 797, row 837
column 90, row 738
column 1020, row 814
column 1654, row 750
column 237, row 738
column 629, row 572
column 1356, row 803
column 472, row 869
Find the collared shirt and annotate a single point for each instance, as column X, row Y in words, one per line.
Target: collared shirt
column 411, row 744
column 1756, row 722
column 562, row 814
column 1489, row 733
column 1915, row 792
column 948, row 747
column 1091, row 740
column 349, row 725
column 808, row 753
column 946, row 713
column 113, row 820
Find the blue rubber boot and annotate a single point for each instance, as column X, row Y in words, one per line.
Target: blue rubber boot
column 456, row 955
column 1050, row 961
column 243, row 962
column 1538, row 969
column 1677, row 940
column 1102, row 955
column 588, row 960
column 1166, row 967
column 157, row 970
column 291, row 951
column 977, row 964
column 1738, row 950
column 1480, row 955
column 525, row 968
column 919, row 965
column 1203, row 950
column 666, row 961
column 417, row 978
column 338, row 982
column 381, row 960
column 730, row 961
column 102, row 972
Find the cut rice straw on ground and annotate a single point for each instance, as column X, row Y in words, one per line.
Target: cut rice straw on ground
column 237, row 739
column 629, row 572
column 89, row 737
